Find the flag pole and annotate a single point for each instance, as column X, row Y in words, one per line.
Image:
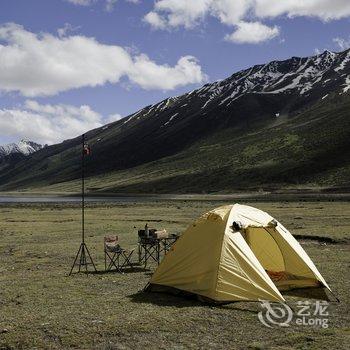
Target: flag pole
column 83, row 257
column 83, row 189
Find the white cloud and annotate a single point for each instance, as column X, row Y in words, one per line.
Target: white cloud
column 83, row 112
column 323, row 9
column 342, row 43
column 113, row 118
column 168, row 14
column 230, row 12
column 110, row 5
column 46, row 123
column 155, row 20
column 176, row 13
column 252, row 33
column 183, row 12
column 67, row 28
column 44, row 64
column 148, row 75
column 81, row 2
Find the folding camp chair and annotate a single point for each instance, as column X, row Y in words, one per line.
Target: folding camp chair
column 118, row 257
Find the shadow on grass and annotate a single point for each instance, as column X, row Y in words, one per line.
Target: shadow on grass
column 308, row 293
column 135, row 269
column 183, row 300
column 164, row 299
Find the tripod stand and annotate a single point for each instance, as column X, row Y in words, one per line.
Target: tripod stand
column 83, row 257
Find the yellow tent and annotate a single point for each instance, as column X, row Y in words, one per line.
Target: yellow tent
column 236, row 252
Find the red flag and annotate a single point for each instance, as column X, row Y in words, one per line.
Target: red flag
column 87, row 150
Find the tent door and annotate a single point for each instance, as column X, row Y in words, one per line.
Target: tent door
column 265, row 248
column 270, row 256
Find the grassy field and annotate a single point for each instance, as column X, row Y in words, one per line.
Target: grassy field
column 41, row 307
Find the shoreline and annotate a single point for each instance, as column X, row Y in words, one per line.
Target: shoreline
column 10, row 197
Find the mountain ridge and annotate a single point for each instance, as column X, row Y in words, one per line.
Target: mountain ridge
column 271, row 97
column 24, row 147
column 12, row 153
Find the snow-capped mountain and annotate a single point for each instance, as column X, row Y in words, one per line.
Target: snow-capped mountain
column 282, row 122
column 297, row 79
column 24, row 147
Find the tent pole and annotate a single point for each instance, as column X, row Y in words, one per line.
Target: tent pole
column 336, row 298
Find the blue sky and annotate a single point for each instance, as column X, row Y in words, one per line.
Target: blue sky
column 67, row 66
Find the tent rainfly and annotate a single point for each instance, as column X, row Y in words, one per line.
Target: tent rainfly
column 236, row 253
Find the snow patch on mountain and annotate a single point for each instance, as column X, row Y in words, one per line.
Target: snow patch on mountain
column 24, row 147
column 343, row 62
column 171, row 118
column 347, row 84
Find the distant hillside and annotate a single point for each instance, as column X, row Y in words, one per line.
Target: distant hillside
column 278, row 125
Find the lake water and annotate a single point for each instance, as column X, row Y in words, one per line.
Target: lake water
column 168, row 197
